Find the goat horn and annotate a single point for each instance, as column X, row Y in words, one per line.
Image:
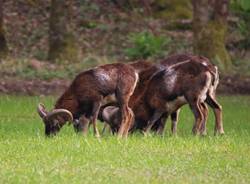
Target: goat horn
column 41, row 110
column 64, row 112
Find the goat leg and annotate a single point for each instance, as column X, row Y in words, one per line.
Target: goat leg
column 96, row 108
column 161, row 124
column 204, row 109
column 83, row 124
column 124, row 120
column 129, row 123
column 211, row 101
column 157, row 115
column 198, row 116
column 174, row 119
column 105, row 126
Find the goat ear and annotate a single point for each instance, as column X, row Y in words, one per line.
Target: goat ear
column 41, row 110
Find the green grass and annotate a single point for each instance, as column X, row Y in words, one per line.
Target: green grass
column 26, row 156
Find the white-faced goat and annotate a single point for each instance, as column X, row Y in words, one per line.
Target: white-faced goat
column 82, row 99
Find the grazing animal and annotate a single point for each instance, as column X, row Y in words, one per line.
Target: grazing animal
column 186, row 82
column 211, row 100
column 142, row 113
column 139, row 66
column 83, row 98
column 110, row 114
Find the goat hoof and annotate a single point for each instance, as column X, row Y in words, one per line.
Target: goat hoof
column 204, row 133
column 219, row 133
column 174, row 134
column 195, row 132
column 84, row 134
column 146, row 134
column 119, row 136
column 97, row 135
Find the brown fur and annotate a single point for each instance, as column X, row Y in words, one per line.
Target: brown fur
column 189, row 81
column 144, row 112
column 84, row 96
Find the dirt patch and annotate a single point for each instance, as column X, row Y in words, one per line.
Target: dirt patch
column 228, row 85
column 33, row 87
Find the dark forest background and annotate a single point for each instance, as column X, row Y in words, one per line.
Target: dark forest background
column 48, row 39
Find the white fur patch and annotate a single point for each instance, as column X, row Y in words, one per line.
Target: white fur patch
column 171, row 80
column 173, row 105
column 204, row 63
column 203, row 93
column 102, row 76
column 180, row 63
column 136, row 80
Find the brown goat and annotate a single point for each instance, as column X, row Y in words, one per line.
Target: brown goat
column 145, row 76
column 142, row 113
column 145, row 70
column 211, row 100
column 170, row 88
column 83, row 98
column 139, row 66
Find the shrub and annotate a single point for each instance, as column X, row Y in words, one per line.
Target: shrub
column 241, row 8
column 145, row 45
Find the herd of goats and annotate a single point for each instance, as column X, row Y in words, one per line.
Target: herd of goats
column 144, row 95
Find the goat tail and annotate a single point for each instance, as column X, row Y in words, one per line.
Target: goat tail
column 214, row 83
column 216, row 77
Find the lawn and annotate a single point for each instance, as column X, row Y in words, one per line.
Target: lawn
column 26, row 156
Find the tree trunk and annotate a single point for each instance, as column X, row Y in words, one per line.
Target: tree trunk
column 3, row 42
column 62, row 42
column 209, row 28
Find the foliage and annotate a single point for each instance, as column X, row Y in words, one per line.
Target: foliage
column 101, row 28
column 26, row 156
column 242, row 9
column 145, row 44
column 245, row 4
column 242, row 67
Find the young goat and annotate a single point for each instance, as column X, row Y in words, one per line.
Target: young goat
column 83, row 98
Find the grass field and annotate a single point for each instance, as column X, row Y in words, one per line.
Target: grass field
column 26, row 156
